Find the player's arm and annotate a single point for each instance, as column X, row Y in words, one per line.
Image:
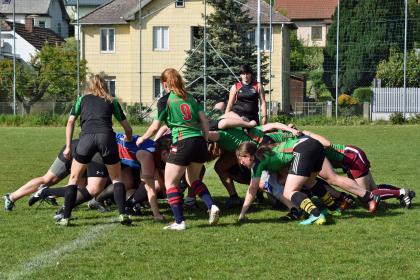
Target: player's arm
column 324, row 141
column 153, row 128
column 250, row 196
column 231, row 100
column 74, row 113
column 263, row 105
column 122, row 119
column 280, row 126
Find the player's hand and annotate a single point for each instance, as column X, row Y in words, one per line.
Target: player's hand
column 67, row 153
column 139, row 141
column 128, row 139
column 242, row 218
column 296, row 132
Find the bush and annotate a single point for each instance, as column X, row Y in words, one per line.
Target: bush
column 137, row 113
column 346, row 100
column 414, row 119
column 397, row 118
column 363, row 94
column 42, row 119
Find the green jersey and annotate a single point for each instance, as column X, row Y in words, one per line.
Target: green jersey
column 230, row 139
column 279, row 158
column 180, row 115
column 335, row 154
column 280, row 136
column 257, row 134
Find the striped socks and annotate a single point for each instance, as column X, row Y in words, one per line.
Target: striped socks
column 175, row 201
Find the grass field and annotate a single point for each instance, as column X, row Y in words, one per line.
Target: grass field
column 356, row 246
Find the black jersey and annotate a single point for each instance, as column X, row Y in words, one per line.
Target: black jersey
column 246, row 100
column 96, row 113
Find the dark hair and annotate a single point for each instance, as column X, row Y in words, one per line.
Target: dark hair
column 163, row 143
column 251, row 148
column 245, row 69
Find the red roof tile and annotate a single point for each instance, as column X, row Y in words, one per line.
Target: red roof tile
column 307, row 9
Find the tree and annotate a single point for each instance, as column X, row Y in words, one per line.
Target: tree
column 368, row 29
column 228, row 31
column 51, row 73
column 391, row 71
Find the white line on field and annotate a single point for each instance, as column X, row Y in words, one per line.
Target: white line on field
column 52, row 256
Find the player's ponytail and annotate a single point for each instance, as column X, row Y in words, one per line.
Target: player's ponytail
column 98, row 87
column 174, row 82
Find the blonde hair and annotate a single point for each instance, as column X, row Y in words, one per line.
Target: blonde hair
column 174, row 82
column 97, row 86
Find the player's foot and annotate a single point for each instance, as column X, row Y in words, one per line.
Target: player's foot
column 176, row 226
column 293, row 215
column 63, row 222
column 314, row 220
column 124, row 219
column 406, row 198
column 93, row 204
column 334, row 213
column 8, row 203
column 347, row 202
column 38, row 195
column 373, row 203
column 214, row 215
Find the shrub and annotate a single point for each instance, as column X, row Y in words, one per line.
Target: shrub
column 397, row 118
column 346, row 100
column 363, row 94
column 137, row 113
column 414, row 119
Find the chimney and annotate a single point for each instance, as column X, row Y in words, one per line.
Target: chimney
column 29, row 24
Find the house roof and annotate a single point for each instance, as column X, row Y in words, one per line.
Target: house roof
column 37, row 38
column 26, row 7
column 307, row 9
column 121, row 11
column 85, row 2
column 252, row 7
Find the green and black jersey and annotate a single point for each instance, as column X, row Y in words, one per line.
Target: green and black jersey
column 257, row 134
column 230, row 139
column 96, row 113
column 335, row 154
column 180, row 115
column 280, row 156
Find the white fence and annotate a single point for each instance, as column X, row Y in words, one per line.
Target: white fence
column 390, row 100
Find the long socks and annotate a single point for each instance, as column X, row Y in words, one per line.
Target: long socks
column 69, row 200
column 202, row 191
column 387, row 191
column 175, row 201
column 320, row 191
column 119, row 196
column 301, row 200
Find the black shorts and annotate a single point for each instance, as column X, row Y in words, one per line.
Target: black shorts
column 189, row 150
column 308, row 157
column 102, row 143
column 95, row 169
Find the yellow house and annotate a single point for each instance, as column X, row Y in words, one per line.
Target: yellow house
column 132, row 53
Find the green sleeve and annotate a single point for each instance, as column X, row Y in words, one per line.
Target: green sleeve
column 75, row 110
column 258, row 169
column 117, row 111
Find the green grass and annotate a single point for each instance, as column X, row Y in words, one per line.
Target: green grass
column 357, row 246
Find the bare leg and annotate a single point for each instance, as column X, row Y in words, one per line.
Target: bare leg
column 31, row 186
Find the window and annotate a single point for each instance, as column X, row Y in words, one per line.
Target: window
column 265, row 39
column 157, row 88
column 59, row 29
column 316, row 33
column 196, row 36
column 160, row 38
column 110, row 82
column 107, row 40
column 179, row 3
column 41, row 23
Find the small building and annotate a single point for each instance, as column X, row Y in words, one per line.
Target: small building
column 29, row 39
column 49, row 14
column 312, row 17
